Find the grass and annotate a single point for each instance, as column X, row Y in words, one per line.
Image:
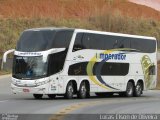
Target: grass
column 3, row 72
column 10, row 29
column 118, row 23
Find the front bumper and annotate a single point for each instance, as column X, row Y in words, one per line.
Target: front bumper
column 42, row 89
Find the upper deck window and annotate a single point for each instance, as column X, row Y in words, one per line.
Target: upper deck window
column 33, row 41
column 107, row 42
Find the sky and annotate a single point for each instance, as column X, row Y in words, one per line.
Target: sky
column 155, row 4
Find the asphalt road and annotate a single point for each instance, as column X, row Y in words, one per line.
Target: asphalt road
column 75, row 109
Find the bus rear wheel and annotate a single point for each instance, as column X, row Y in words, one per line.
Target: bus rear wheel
column 51, row 96
column 83, row 91
column 38, row 96
column 69, row 91
column 129, row 90
column 138, row 89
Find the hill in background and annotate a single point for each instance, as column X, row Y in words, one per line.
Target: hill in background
column 73, row 8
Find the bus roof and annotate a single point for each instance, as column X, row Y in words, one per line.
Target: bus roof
column 50, row 28
column 115, row 34
column 91, row 31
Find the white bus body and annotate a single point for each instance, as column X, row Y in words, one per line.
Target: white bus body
column 63, row 61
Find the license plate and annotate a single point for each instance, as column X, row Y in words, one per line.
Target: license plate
column 26, row 90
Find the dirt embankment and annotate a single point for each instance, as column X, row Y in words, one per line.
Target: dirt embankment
column 73, row 8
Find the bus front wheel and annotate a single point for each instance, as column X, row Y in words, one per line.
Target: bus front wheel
column 69, row 91
column 38, row 96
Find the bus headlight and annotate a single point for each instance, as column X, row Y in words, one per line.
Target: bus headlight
column 16, row 82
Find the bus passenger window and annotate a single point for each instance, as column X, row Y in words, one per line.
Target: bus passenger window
column 78, row 42
column 62, row 39
column 124, row 42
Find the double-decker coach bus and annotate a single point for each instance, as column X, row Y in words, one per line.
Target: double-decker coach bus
column 64, row 61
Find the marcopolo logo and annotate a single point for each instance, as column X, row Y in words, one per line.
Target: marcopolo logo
column 106, row 56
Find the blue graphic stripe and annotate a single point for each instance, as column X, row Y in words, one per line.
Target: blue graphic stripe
column 98, row 73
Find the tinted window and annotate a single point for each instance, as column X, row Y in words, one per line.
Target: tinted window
column 93, row 41
column 78, row 42
column 111, row 42
column 106, row 42
column 78, row 69
column 114, row 69
column 99, row 41
column 62, row 39
column 123, row 42
column 35, row 40
column 56, row 62
column 143, row 45
column 29, row 67
column 32, row 41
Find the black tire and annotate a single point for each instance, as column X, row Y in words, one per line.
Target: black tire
column 138, row 89
column 51, row 96
column 69, row 91
column 83, row 91
column 38, row 96
column 129, row 90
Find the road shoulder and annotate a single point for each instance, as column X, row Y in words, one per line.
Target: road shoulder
column 5, row 76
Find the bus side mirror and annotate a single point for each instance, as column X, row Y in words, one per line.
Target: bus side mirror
column 4, row 59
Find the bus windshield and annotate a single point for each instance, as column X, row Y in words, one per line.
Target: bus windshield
column 33, row 41
column 29, row 67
